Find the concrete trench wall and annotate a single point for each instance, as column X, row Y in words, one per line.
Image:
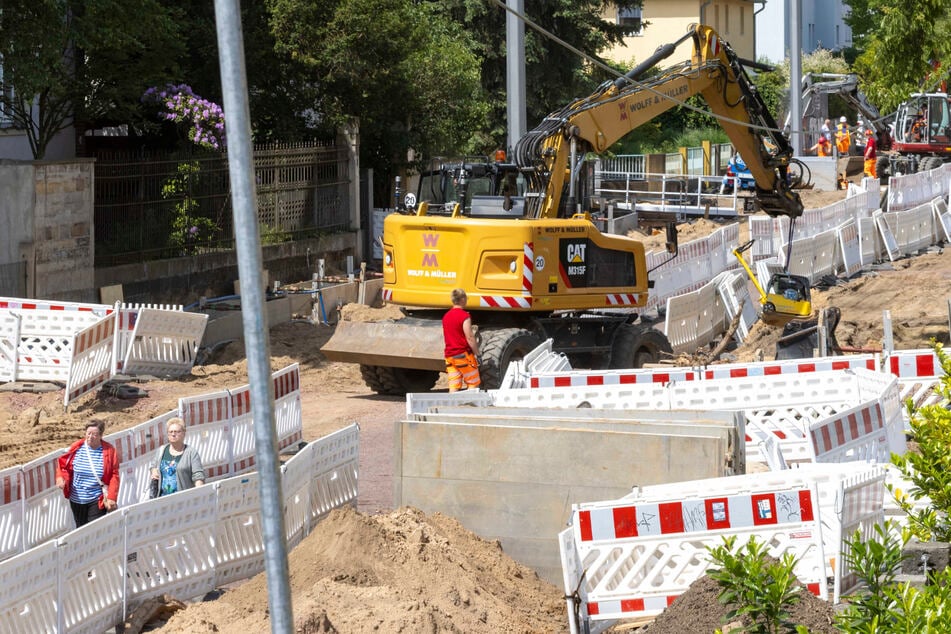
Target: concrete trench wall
column 516, row 480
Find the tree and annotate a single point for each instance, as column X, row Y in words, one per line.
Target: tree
column 81, row 61
column 902, row 41
column 554, row 75
column 401, row 68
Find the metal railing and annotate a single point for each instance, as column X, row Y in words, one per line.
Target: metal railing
column 683, row 194
column 151, row 206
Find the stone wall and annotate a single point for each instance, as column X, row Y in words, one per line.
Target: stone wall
column 48, row 225
column 64, row 244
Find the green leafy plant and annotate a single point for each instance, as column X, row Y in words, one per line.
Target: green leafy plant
column 189, row 229
column 887, row 606
column 875, row 562
column 755, row 585
column 274, row 235
column 929, row 468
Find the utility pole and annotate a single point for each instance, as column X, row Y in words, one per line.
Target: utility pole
column 515, row 72
column 795, row 77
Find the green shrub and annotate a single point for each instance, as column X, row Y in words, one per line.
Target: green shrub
column 929, row 467
column 756, row 585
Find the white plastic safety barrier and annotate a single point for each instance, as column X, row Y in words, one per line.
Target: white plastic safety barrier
column 164, row 342
column 697, row 262
column 92, row 359
column 38, row 341
column 735, row 294
column 911, row 190
column 784, row 406
column 11, row 513
column 913, row 229
column 634, row 556
column 208, row 420
column 694, row 319
column 185, row 544
column 9, row 338
column 850, row 247
column 34, row 510
column 127, row 319
column 46, row 513
column 889, row 243
column 578, row 378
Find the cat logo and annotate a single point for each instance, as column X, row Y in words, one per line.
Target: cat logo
column 576, row 253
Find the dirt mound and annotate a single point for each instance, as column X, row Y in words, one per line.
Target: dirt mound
column 359, row 312
column 698, row 611
column 403, row 571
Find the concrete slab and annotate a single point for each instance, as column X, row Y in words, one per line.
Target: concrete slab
column 516, row 481
column 34, row 387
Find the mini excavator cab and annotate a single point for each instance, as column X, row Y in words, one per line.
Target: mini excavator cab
column 786, row 296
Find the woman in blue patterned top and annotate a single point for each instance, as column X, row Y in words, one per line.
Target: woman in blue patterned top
column 88, row 474
column 175, row 465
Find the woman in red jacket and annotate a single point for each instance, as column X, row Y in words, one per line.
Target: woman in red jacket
column 88, row 474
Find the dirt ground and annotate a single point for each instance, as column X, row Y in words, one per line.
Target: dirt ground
column 379, row 569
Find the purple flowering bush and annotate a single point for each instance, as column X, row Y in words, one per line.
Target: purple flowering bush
column 205, row 119
column 206, row 128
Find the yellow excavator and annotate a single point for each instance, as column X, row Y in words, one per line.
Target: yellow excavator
column 532, row 263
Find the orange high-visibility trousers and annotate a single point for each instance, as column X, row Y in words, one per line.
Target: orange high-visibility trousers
column 463, row 369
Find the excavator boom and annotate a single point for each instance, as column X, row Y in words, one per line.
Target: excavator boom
column 555, row 149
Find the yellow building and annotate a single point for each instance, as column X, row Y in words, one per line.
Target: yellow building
column 667, row 20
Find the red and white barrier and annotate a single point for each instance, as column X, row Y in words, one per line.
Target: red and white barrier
column 185, row 544
column 643, row 551
column 918, row 372
column 92, row 359
column 34, row 510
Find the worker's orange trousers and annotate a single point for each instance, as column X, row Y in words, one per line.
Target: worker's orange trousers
column 463, row 369
column 869, row 168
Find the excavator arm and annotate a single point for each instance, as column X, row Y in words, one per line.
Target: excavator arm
column 552, row 153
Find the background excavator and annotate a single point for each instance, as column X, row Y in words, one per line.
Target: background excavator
column 531, row 261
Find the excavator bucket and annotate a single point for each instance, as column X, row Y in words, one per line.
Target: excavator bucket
column 402, row 343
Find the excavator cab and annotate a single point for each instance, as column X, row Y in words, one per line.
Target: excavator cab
column 786, row 296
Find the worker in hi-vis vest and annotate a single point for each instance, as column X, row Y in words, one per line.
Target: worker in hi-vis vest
column 843, row 140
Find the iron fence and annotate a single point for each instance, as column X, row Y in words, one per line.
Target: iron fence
column 150, row 206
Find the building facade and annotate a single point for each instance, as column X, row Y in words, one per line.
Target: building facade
column 822, row 25
column 664, row 21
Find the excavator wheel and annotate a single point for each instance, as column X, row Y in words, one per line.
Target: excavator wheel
column 928, row 163
column 635, row 347
column 397, row 381
column 882, row 167
column 498, row 347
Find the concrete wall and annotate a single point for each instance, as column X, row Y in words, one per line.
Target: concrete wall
column 515, row 480
column 185, row 280
column 16, row 221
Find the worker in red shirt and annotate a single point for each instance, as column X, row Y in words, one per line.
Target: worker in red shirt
column 461, row 347
column 822, row 147
column 869, row 165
